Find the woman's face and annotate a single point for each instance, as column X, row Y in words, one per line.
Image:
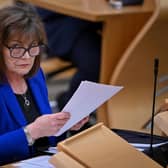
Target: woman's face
column 17, row 60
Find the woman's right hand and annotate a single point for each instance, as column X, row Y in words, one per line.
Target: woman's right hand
column 47, row 125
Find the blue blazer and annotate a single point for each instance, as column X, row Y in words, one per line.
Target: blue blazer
column 13, row 142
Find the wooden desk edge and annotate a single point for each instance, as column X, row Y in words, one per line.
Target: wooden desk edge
column 88, row 14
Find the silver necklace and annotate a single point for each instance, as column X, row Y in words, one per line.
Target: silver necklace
column 26, row 100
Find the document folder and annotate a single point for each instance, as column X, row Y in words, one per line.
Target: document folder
column 99, row 147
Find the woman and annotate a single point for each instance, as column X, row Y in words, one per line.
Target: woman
column 26, row 120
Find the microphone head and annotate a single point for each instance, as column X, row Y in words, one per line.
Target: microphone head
column 156, row 62
column 156, row 65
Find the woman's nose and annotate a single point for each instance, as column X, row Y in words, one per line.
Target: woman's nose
column 26, row 55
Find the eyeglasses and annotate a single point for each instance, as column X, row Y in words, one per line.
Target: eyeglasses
column 18, row 52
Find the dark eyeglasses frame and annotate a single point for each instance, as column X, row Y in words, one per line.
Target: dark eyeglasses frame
column 26, row 49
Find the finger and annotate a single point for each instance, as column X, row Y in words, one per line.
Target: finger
column 77, row 127
column 81, row 123
column 61, row 122
column 58, row 122
column 62, row 116
column 74, row 128
column 85, row 120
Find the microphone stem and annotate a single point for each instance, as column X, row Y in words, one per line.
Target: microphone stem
column 153, row 107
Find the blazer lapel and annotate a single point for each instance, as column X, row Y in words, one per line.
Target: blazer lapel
column 13, row 105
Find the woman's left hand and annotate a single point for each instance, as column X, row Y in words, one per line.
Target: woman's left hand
column 80, row 124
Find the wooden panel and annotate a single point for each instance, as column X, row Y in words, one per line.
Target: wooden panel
column 120, row 38
column 99, row 147
column 62, row 160
column 5, row 3
column 133, row 106
column 53, row 64
column 94, row 10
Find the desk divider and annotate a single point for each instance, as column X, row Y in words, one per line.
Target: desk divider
column 99, row 147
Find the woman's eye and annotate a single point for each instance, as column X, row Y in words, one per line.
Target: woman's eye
column 34, row 45
column 15, row 46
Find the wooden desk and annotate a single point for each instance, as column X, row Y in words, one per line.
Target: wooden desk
column 120, row 27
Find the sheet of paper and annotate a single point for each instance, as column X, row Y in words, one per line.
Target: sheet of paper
column 52, row 150
column 87, row 98
column 37, row 162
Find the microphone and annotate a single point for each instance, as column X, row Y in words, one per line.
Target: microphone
column 158, row 154
column 156, row 65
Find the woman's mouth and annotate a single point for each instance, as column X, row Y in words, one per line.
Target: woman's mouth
column 23, row 65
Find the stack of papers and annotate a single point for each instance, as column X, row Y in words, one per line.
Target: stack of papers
column 87, row 98
column 37, row 162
